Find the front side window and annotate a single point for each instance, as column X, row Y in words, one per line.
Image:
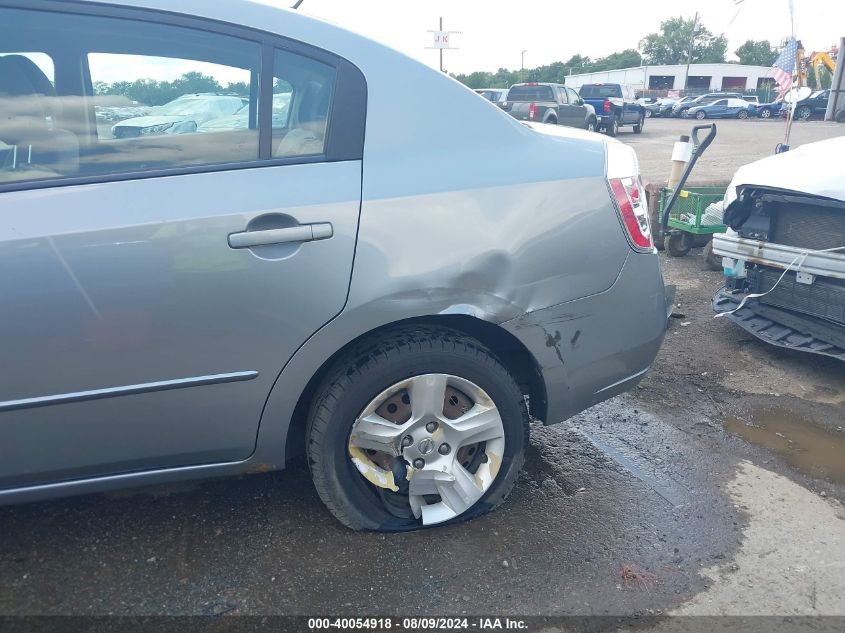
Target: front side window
column 134, row 96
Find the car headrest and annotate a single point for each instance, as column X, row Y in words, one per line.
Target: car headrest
column 23, row 104
column 14, row 81
column 315, row 103
column 38, row 80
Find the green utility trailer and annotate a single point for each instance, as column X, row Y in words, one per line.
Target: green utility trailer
column 689, row 218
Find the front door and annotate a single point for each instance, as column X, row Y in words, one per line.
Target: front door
column 161, row 259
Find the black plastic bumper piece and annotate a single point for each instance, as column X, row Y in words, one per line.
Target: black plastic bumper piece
column 783, row 328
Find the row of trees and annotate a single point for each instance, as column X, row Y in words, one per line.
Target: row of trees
column 668, row 46
column 152, row 92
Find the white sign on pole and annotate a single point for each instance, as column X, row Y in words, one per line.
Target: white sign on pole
column 441, row 39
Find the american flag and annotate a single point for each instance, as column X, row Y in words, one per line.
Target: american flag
column 785, row 65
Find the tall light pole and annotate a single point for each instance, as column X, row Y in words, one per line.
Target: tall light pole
column 297, row 4
column 522, row 63
column 689, row 54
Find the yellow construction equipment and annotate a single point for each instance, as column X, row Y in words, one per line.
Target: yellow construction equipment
column 817, row 61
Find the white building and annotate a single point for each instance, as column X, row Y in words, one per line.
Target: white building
column 702, row 77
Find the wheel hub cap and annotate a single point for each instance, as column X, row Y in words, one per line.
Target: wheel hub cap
column 448, row 469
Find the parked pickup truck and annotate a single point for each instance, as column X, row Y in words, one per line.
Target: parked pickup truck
column 549, row 103
column 615, row 105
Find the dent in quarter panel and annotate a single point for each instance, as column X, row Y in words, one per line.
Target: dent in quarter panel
column 593, row 348
column 504, row 250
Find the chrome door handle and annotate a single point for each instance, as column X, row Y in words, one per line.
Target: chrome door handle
column 301, row 233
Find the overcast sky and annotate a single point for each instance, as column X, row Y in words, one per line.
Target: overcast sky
column 495, row 31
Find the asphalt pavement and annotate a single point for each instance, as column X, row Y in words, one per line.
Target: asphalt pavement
column 654, row 502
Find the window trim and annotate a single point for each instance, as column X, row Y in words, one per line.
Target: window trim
column 346, row 127
column 563, row 95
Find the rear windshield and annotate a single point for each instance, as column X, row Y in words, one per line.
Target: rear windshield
column 600, row 92
column 530, row 93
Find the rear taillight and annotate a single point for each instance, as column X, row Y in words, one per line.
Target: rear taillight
column 631, row 204
column 532, row 111
column 606, row 105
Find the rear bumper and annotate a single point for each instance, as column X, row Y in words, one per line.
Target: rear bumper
column 594, row 348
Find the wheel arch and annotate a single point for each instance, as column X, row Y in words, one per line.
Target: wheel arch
column 512, row 353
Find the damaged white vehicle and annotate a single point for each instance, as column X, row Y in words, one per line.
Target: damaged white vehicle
column 784, row 253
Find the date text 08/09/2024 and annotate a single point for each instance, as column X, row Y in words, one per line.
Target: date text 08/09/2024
column 417, row 624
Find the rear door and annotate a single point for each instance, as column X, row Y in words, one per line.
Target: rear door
column 579, row 110
column 153, row 287
column 718, row 108
column 564, row 109
column 630, row 105
column 820, row 105
column 731, row 107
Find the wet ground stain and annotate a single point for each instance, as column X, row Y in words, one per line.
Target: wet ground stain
column 813, row 450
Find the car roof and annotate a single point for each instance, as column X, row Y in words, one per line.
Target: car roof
column 260, row 16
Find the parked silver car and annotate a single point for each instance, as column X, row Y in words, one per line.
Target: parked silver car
column 183, row 114
column 394, row 304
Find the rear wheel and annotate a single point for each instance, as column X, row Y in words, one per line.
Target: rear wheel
column 840, row 116
column 743, row 114
column 766, row 113
column 701, row 114
column 416, row 428
column 678, row 243
column 591, row 125
column 612, row 128
column 648, row 114
column 638, row 126
column 803, row 113
column 551, row 120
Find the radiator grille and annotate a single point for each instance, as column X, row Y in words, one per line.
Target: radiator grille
column 824, row 298
column 808, row 226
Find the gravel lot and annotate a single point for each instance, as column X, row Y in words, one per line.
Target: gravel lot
column 737, row 143
column 650, row 503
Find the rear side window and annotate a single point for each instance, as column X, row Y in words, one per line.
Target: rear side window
column 599, row 92
column 303, row 92
column 564, row 97
column 531, row 93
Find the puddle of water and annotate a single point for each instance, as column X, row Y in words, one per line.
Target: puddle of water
column 810, row 449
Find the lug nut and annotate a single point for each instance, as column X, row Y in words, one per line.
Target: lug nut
column 431, row 427
column 419, row 463
column 444, row 449
column 407, row 441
